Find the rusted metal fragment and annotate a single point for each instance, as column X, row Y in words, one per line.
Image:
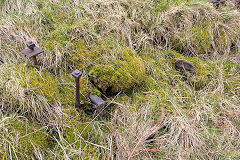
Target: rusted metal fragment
column 98, row 103
column 32, row 51
column 184, row 65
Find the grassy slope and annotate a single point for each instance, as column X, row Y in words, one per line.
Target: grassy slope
column 128, row 49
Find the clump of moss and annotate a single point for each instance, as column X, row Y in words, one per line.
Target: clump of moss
column 21, row 138
column 41, row 82
column 201, row 75
column 201, row 37
column 121, row 73
column 84, row 54
column 196, row 39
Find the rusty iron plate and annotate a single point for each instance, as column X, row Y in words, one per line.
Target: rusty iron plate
column 32, row 52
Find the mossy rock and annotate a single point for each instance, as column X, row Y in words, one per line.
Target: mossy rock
column 121, row 73
column 21, row 138
column 40, row 82
column 202, row 73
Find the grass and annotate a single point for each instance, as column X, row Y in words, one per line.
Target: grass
column 126, row 51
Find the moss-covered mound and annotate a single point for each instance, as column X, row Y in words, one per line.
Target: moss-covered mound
column 202, row 73
column 21, row 138
column 200, row 29
column 121, row 73
column 40, row 82
column 29, row 90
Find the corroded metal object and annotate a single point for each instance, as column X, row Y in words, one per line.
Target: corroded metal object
column 184, row 65
column 32, row 51
column 77, row 74
column 98, row 103
column 218, row 2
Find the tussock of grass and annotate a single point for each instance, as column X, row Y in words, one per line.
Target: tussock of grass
column 127, row 50
column 21, row 138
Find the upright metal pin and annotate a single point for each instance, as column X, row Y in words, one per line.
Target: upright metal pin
column 32, row 51
column 77, row 74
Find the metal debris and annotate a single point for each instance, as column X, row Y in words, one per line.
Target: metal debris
column 32, row 51
column 98, row 102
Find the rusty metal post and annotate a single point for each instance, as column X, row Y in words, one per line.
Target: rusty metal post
column 77, row 74
column 32, row 51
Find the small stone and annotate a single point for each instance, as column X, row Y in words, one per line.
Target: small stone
column 184, row 65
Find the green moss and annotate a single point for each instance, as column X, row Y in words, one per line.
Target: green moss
column 198, row 37
column 83, row 54
column 121, row 73
column 41, row 82
column 201, row 37
column 22, row 138
column 202, row 73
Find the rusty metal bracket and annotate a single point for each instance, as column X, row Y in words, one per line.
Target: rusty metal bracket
column 32, row 51
column 184, row 65
column 98, row 102
column 77, row 74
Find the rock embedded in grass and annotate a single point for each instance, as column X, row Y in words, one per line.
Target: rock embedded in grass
column 201, row 75
column 184, row 65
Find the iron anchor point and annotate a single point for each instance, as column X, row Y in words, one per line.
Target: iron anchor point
column 77, row 74
column 32, row 51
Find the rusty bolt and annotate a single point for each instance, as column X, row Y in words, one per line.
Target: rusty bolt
column 98, row 103
column 32, row 51
column 184, row 65
column 77, row 74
